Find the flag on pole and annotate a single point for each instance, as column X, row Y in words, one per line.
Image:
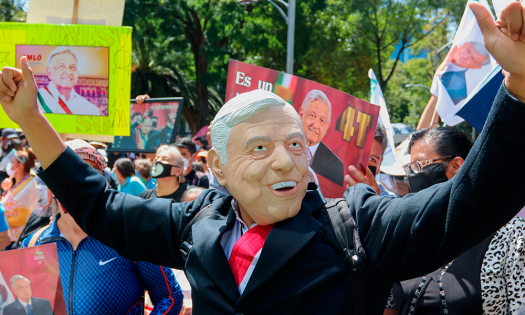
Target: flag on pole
column 467, row 63
column 376, row 98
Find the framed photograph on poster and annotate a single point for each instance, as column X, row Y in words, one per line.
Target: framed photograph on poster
column 152, row 124
column 83, row 74
column 30, row 276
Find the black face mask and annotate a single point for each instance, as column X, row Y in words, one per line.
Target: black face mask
column 135, row 125
column 373, row 169
column 154, row 124
column 430, row 175
column 159, row 170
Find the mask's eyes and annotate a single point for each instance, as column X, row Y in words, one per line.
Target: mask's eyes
column 295, row 145
column 259, row 148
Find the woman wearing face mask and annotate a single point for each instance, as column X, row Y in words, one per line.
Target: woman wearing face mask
column 487, row 279
column 124, row 173
column 167, row 170
column 16, row 215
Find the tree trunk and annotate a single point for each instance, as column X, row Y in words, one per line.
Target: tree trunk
column 201, row 65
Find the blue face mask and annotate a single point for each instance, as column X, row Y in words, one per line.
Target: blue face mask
column 113, row 175
column 198, row 147
column 137, row 174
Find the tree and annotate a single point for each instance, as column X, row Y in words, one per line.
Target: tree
column 12, row 11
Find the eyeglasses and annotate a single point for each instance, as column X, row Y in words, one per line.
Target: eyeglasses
column 417, row 166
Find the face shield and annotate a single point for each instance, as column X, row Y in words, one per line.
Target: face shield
column 396, row 184
column 9, row 159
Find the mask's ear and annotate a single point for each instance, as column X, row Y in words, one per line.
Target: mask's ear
column 215, row 164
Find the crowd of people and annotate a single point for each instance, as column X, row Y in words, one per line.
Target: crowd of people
column 227, row 224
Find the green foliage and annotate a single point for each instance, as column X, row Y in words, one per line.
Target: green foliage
column 12, row 11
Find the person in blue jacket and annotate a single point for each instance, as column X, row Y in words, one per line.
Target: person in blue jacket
column 97, row 280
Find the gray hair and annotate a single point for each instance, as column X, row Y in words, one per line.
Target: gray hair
column 15, row 278
column 58, row 51
column 239, row 109
column 316, row 95
column 480, row 49
column 191, row 190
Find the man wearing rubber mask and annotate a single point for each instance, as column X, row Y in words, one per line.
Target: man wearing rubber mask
column 167, row 169
column 267, row 249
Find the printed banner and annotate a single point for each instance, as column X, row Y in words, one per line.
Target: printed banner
column 83, row 74
column 31, row 274
column 339, row 127
column 467, row 63
column 153, row 124
column 92, row 12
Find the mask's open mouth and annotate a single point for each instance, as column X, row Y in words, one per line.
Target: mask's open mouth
column 284, row 186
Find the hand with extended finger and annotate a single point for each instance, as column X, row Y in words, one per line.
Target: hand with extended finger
column 18, row 92
column 505, row 40
column 358, row 178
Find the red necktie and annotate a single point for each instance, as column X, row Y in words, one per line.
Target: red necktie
column 245, row 250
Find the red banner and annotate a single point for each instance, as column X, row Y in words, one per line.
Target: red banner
column 339, row 127
column 31, row 274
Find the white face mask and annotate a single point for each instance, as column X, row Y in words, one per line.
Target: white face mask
column 186, row 163
column 9, row 169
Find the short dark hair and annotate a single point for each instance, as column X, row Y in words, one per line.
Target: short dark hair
column 444, row 141
column 135, row 114
column 381, row 137
column 186, row 143
column 125, row 167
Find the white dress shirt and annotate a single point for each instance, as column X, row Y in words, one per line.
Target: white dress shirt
column 24, row 304
column 76, row 103
column 314, row 148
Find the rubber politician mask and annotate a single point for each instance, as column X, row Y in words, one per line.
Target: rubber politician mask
column 261, row 159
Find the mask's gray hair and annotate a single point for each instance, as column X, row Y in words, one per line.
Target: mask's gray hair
column 239, row 109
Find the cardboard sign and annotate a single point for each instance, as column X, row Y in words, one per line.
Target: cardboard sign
column 339, row 127
column 152, row 124
column 31, row 273
column 83, row 74
column 92, row 12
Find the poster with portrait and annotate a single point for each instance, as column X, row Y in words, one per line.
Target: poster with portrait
column 152, row 124
column 339, row 127
column 71, row 80
column 83, row 73
column 31, row 276
column 466, row 65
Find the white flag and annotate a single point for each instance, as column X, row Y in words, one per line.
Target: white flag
column 6, row 297
column 376, row 98
column 467, row 63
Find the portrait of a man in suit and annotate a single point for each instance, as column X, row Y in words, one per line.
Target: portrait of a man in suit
column 316, row 112
column 470, row 55
column 25, row 303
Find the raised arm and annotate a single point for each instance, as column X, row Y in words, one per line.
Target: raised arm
column 411, row 236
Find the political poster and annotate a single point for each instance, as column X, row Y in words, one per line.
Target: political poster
column 31, row 275
column 339, row 127
column 83, row 74
column 467, row 63
column 152, row 124
column 71, row 80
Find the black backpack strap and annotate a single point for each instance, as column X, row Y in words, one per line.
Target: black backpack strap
column 187, row 237
column 349, row 244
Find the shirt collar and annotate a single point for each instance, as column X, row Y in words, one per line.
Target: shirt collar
column 54, row 91
column 314, row 148
column 235, row 205
column 24, row 304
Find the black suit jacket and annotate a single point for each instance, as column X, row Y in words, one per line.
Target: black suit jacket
column 298, row 271
column 327, row 164
column 38, row 306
